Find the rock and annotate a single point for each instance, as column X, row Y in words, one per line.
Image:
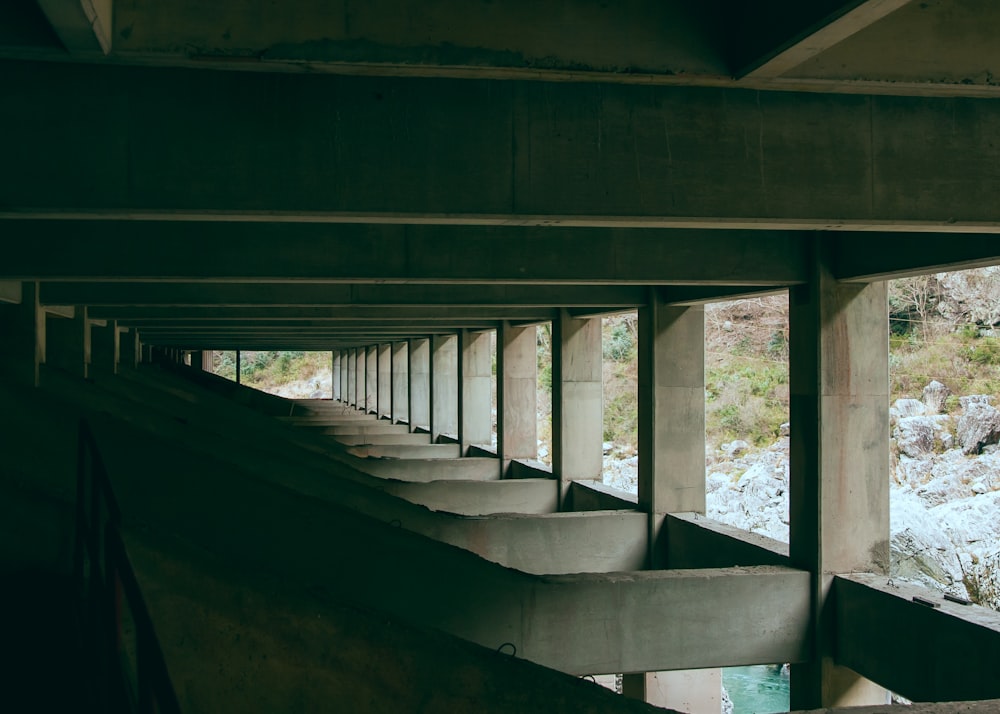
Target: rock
column 975, row 399
column 978, row 426
column 934, row 396
column 916, row 435
column 735, row 448
column 607, row 446
column 785, row 429
column 903, row 408
column 727, row 703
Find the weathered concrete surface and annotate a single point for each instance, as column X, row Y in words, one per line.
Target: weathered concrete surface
column 424, row 469
column 839, row 488
column 407, row 451
column 693, row 691
column 517, row 386
column 475, row 395
column 419, row 370
column 480, row 498
column 951, row 652
column 399, row 367
column 378, row 438
column 693, row 541
column 595, row 496
column 240, row 640
column 577, row 400
column 371, row 379
column 360, row 427
column 384, row 381
column 444, row 386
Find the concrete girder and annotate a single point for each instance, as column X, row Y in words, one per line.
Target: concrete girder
column 858, row 259
column 336, row 295
column 317, row 315
column 334, row 148
column 352, row 253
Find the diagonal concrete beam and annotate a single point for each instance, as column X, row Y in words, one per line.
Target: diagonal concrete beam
column 83, row 26
column 782, row 34
column 858, row 258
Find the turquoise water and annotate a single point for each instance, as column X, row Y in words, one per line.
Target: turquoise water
column 761, row 689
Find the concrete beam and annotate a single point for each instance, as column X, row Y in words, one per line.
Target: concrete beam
column 781, row 35
column 816, row 161
column 857, row 259
column 887, row 636
column 693, row 541
column 96, row 250
column 333, row 295
column 312, row 315
column 10, row 291
column 83, row 26
column 685, row 295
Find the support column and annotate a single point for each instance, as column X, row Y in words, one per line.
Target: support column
column 68, row 342
column 239, row 366
column 129, row 349
column 361, row 359
column 352, row 377
column 839, row 472
column 672, row 467
column 371, row 379
column 474, row 416
column 335, row 376
column 104, row 342
column 671, row 414
column 400, row 383
column 384, row 395
column 345, row 368
column 577, row 401
column 444, row 386
column 22, row 331
column 208, row 360
column 517, row 393
column 419, row 368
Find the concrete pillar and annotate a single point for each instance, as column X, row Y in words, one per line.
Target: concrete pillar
column 67, row 343
column 344, row 375
column 129, row 349
column 239, row 366
column 517, row 393
column 104, row 346
column 384, row 381
column 577, row 400
column 145, row 353
column 400, row 383
column 839, row 477
column 672, row 466
column 671, row 413
column 361, row 360
column 475, row 424
column 22, row 333
column 371, row 379
column 444, row 386
column 208, row 360
column 335, row 375
column 352, row 377
column 693, row 691
column 418, row 354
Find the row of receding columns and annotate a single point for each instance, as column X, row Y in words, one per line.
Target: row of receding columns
column 839, row 514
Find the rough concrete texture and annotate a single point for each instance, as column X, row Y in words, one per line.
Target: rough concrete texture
column 254, row 643
column 693, row 541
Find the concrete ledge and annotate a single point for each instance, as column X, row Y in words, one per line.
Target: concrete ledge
column 422, row 470
column 990, row 706
column 524, row 468
column 947, row 653
column 694, row 541
column 375, row 439
column 481, row 498
column 406, row 451
column 590, row 495
column 362, row 428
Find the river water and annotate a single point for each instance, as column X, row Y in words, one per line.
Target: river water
column 760, row 689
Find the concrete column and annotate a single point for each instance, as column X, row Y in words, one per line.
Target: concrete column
column 352, row 377
column 694, row 691
column 444, row 386
column 672, row 466
column 22, row 332
column 400, row 383
column 577, row 400
column 335, row 375
column 517, row 393
column 129, row 349
column 371, row 379
column 475, row 424
column 361, row 359
column 145, row 353
column 208, row 360
column 104, row 345
column 671, row 413
column 239, row 366
column 384, row 381
column 839, row 472
column 419, row 370
column 344, row 375
column 68, row 342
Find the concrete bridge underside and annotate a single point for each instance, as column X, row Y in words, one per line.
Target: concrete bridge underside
column 393, row 183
